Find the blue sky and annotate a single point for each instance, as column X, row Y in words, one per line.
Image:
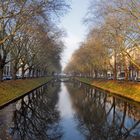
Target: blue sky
column 76, row 30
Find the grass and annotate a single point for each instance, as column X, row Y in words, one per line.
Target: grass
column 130, row 90
column 12, row 89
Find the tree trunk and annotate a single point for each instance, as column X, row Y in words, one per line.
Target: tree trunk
column 30, row 70
column 14, row 72
column 33, row 73
column 126, row 73
column 126, row 69
column 96, row 74
column 105, row 74
column 43, row 73
column 46, row 72
column 115, row 66
column 1, row 74
column 23, row 72
column 38, row 73
column 2, row 64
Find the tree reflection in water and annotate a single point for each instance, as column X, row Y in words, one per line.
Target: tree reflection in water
column 36, row 117
column 104, row 117
column 97, row 115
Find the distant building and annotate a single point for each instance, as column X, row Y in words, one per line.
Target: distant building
column 7, row 73
column 134, row 73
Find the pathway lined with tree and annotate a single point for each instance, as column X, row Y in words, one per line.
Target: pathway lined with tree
column 112, row 44
column 29, row 36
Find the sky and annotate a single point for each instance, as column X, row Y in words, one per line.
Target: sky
column 74, row 27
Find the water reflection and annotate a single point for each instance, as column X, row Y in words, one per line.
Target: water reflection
column 103, row 117
column 67, row 114
column 71, row 111
column 35, row 117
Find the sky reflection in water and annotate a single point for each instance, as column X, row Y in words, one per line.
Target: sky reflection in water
column 71, row 111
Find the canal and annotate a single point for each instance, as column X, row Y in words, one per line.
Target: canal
column 70, row 111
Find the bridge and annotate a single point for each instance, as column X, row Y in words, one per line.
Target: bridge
column 63, row 78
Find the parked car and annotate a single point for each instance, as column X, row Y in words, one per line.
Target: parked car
column 7, row 77
column 18, row 76
column 121, row 78
column 138, row 79
column 110, row 78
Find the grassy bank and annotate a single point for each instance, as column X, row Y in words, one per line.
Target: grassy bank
column 10, row 90
column 129, row 90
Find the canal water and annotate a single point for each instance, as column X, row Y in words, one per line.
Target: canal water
column 70, row 111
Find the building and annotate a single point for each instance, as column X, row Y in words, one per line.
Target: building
column 134, row 73
column 124, row 63
column 7, row 73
